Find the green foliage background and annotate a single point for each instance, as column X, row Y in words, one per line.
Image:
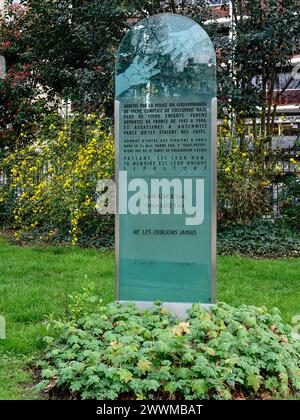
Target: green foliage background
column 65, row 51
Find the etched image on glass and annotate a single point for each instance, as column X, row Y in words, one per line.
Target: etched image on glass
column 165, row 55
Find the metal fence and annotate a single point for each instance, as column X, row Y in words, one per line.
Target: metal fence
column 279, row 190
column 286, row 181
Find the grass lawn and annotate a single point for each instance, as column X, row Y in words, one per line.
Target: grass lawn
column 35, row 282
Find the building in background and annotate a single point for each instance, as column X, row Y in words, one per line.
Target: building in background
column 287, row 128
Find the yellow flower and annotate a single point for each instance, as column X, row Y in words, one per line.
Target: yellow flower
column 293, row 161
column 228, row 169
column 265, row 183
column 250, row 172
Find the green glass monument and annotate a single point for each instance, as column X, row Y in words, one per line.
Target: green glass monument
column 165, row 118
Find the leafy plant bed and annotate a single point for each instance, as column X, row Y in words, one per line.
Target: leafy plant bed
column 262, row 239
column 122, row 353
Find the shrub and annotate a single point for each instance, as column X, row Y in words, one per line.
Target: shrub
column 55, row 178
column 259, row 239
column 122, row 353
column 7, row 204
column 243, row 180
column 289, row 199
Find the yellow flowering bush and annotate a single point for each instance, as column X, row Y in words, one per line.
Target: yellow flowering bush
column 243, row 180
column 7, row 197
column 55, row 178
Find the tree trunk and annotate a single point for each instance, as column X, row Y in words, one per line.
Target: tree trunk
column 173, row 6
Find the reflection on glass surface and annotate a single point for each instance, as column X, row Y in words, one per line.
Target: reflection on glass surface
column 165, row 55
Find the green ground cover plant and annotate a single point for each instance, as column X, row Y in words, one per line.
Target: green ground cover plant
column 262, row 239
column 118, row 352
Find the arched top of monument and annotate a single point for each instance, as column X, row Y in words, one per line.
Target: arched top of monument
column 166, row 54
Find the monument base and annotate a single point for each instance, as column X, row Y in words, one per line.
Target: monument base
column 178, row 309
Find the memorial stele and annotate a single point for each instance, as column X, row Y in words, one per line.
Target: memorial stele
column 165, row 119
